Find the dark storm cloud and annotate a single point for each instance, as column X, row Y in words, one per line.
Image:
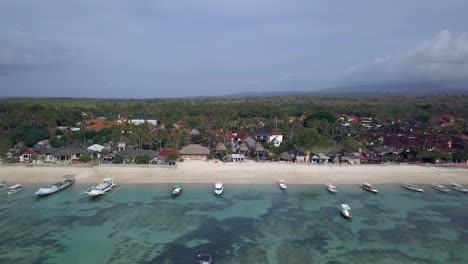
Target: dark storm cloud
column 20, row 52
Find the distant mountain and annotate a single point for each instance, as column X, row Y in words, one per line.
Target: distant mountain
column 403, row 89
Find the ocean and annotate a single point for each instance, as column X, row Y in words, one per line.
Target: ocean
column 247, row 224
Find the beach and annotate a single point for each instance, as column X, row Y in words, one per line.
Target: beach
column 249, row 172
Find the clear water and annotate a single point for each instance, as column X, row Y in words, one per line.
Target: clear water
column 248, row 224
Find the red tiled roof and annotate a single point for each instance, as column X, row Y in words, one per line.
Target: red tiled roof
column 166, row 152
column 29, row 152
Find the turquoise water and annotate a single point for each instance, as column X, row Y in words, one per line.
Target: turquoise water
column 248, row 224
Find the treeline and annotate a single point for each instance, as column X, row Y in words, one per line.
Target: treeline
column 31, row 120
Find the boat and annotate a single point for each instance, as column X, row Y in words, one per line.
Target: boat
column 64, row 182
column 204, row 259
column 440, row 188
column 15, row 189
column 218, row 188
column 412, row 187
column 102, row 188
column 282, row 185
column 346, row 211
column 458, row 187
column 368, row 187
column 3, row 186
column 330, row 187
column 177, row 190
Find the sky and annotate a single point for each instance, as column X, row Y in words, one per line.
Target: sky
column 154, row 49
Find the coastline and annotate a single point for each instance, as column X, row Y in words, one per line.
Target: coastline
column 239, row 173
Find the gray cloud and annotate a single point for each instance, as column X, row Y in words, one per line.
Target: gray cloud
column 21, row 52
column 445, row 58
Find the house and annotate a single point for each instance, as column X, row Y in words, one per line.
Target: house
column 194, row 132
column 267, row 135
column 162, row 156
column 43, row 144
column 121, row 146
column 259, row 151
column 244, row 149
column 141, row 119
column 221, row 147
column 319, row 158
column 195, row 152
column 351, row 158
column 27, row 156
column 300, row 156
column 129, row 155
column 65, row 154
column 96, row 150
column 235, row 157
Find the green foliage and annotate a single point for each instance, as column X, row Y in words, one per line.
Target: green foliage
column 32, row 136
column 5, row 145
column 310, row 138
column 142, row 159
column 86, row 157
column 172, row 157
column 118, row 159
column 57, row 142
column 351, row 145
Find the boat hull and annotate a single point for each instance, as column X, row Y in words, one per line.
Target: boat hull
column 374, row 191
column 346, row 215
column 413, row 189
column 62, row 187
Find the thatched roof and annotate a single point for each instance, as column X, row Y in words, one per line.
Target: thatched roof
column 250, row 141
column 244, row 147
column 259, row 147
column 195, row 149
column 221, row 147
column 285, row 156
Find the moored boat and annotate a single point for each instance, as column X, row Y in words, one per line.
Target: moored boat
column 331, row 188
column 102, row 188
column 64, row 182
column 368, row 187
column 15, row 189
column 282, row 184
column 177, row 190
column 218, row 188
column 412, row 187
column 458, row 187
column 346, row 211
column 204, row 259
column 440, row 188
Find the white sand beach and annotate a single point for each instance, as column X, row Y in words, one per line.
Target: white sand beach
column 239, row 173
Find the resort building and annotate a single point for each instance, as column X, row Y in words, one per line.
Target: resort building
column 194, row 152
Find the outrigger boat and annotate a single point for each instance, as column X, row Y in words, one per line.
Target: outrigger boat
column 15, row 189
column 331, row 188
column 412, row 187
column 64, row 182
column 204, row 259
column 218, row 188
column 440, row 188
column 282, row 185
column 177, row 190
column 102, row 188
column 346, row 211
column 458, row 187
column 368, row 187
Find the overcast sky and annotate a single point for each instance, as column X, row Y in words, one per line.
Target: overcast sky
column 145, row 48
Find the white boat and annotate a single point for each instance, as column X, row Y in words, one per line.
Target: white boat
column 204, row 259
column 218, row 188
column 440, row 188
column 102, row 188
column 412, row 187
column 282, row 185
column 330, row 187
column 458, row 187
column 15, row 189
column 368, row 187
column 64, row 182
column 346, row 211
column 177, row 190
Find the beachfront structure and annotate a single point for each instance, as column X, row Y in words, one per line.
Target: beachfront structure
column 267, row 135
column 351, row 158
column 195, row 152
column 300, row 156
column 26, row 156
column 319, row 158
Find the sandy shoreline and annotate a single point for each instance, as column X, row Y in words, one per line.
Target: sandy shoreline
column 240, row 173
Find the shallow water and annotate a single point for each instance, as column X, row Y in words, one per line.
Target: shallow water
column 248, row 224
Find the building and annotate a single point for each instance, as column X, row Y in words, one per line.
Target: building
column 141, row 119
column 195, row 152
column 319, row 158
column 351, row 158
column 267, row 135
column 27, row 156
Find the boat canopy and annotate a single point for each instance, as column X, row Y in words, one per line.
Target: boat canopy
column 218, row 185
column 16, row 186
column 178, row 185
column 345, row 206
column 108, row 180
column 367, row 184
